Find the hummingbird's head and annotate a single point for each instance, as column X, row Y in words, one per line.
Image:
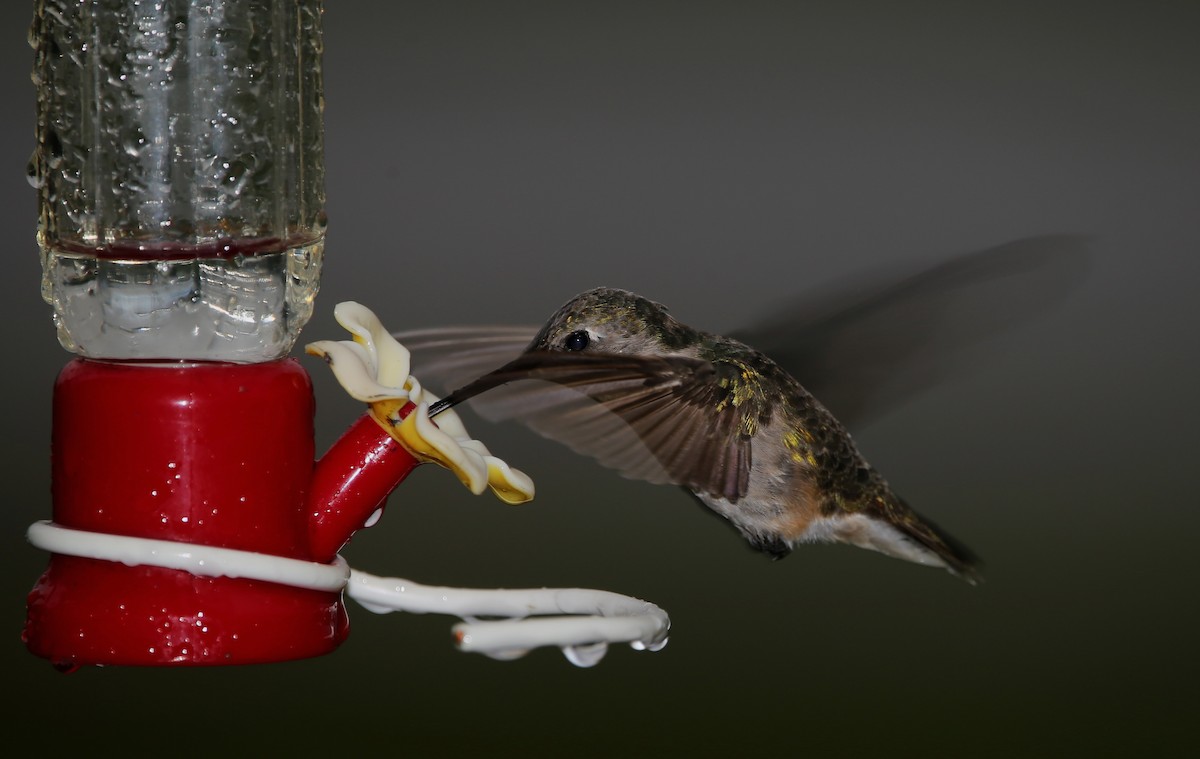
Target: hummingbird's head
column 608, row 320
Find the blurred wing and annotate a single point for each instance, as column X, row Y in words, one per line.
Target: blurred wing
column 444, row 358
column 865, row 348
column 649, row 418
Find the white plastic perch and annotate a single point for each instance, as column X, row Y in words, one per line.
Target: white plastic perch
column 589, row 619
column 593, row 618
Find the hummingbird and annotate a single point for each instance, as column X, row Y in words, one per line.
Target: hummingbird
column 615, row 376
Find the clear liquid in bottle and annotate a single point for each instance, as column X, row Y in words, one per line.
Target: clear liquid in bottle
column 239, row 306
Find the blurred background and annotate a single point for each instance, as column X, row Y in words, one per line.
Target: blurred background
column 486, row 161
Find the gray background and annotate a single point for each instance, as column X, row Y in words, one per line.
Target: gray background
column 487, row 161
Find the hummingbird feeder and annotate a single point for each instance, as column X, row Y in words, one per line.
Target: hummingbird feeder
column 180, row 174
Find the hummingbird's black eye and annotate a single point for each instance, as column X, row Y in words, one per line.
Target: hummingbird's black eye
column 577, row 340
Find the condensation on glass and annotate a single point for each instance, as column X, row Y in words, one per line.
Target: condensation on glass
column 180, row 172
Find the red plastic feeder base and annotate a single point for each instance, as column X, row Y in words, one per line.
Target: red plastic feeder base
column 84, row 611
column 210, row 454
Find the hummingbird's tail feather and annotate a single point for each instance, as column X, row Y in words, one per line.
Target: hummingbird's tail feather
column 896, row 530
column 951, row 552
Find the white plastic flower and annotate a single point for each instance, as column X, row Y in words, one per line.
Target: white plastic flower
column 374, row 368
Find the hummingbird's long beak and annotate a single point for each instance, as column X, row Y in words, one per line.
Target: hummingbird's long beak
column 441, row 406
column 585, row 372
column 470, row 390
column 518, row 368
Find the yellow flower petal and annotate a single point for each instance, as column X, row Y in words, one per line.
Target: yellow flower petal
column 351, row 367
column 391, row 359
column 510, row 485
column 424, row 440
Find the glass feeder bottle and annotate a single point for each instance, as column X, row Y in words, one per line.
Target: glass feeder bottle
column 180, row 173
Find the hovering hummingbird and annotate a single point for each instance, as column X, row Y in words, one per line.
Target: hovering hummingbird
column 657, row 400
column 615, row 376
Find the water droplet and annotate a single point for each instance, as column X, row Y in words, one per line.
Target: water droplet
column 506, row 655
column 33, row 173
column 642, row 645
column 134, row 144
column 587, row 655
column 375, row 515
column 65, row 667
column 234, row 177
